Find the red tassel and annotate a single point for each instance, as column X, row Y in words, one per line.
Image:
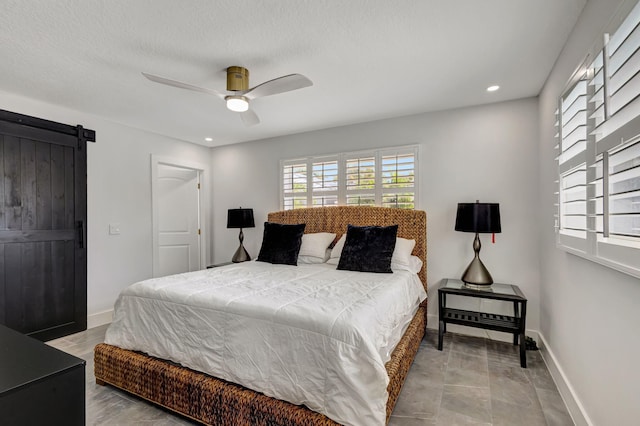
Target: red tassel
column 493, row 238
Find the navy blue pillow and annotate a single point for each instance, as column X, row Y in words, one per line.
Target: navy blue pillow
column 281, row 243
column 368, row 248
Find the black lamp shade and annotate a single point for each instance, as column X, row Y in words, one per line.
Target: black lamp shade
column 240, row 218
column 478, row 217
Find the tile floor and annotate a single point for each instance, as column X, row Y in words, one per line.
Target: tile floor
column 472, row 381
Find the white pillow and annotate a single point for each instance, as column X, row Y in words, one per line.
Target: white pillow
column 314, row 259
column 315, row 246
column 402, row 251
column 414, row 265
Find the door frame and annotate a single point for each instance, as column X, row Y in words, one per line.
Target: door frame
column 203, row 200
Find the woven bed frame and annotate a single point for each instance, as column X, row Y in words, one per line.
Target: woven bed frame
column 213, row 401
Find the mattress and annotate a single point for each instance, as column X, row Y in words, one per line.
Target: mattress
column 309, row 334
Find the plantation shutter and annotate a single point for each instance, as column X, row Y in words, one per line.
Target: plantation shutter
column 398, row 177
column 360, row 174
column 624, row 191
column 385, row 177
column 618, row 134
column 294, row 184
column 572, row 134
column 599, row 174
column 324, row 183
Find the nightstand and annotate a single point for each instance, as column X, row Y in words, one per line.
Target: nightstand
column 215, row 265
column 510, row 324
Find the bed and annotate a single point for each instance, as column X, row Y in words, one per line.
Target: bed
column 212, row 400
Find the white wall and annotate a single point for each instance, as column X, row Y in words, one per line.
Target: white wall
column 119, row 190
column 589, row 314
column 487, row 153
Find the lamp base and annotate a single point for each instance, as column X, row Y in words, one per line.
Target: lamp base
column 477, row 274
column 241, row 255
column 482, row 287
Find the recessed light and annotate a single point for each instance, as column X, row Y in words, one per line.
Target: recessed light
column 492, row 88
column 208, row 139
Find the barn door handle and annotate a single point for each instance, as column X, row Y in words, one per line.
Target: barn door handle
column 80, row 225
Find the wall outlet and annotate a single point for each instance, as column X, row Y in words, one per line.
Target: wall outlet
column 114, row 229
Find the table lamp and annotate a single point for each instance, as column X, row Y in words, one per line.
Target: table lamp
column 479, row 218
column 240, row 218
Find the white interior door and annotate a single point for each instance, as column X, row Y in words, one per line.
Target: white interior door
column 178, row 220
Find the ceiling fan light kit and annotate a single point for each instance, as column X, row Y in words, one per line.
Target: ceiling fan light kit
column 237, row 103
column 238, row 92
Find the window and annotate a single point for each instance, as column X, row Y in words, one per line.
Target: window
column 294, row 179
column 385, row 177
column 574, row 122
column 324, row 183
column 573, row 202
column 572, row 133
column 361, row 180
column 398, row 180
column 599, row 153
column 624, row 191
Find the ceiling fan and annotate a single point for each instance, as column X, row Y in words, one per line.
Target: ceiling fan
column 238, row 93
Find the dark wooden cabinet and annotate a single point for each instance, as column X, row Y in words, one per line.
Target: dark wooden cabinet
column 39, row 385
column 43, row 217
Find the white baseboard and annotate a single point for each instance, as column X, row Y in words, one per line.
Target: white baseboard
column 574, row 406
column 100, row 318
column 432, row 321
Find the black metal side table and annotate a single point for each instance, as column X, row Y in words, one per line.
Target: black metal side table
column 510, row 324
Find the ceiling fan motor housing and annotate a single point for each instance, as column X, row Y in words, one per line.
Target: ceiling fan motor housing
column 237, row 79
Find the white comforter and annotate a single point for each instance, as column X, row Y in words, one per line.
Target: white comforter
column 309, row 334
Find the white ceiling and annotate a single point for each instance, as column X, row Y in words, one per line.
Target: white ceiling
column 368, row 59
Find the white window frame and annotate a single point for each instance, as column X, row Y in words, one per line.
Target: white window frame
column 611, row 127
column 341, row 159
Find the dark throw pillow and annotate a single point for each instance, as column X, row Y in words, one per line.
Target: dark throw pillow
column 281, row 243
column 368, row 248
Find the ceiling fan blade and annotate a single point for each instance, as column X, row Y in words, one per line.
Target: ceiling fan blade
column 180, row 85
column 249, row 118
column 283, row 84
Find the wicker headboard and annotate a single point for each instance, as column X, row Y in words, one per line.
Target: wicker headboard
column 412, row 224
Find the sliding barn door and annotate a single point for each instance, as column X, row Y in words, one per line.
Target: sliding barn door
column 43, row 255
